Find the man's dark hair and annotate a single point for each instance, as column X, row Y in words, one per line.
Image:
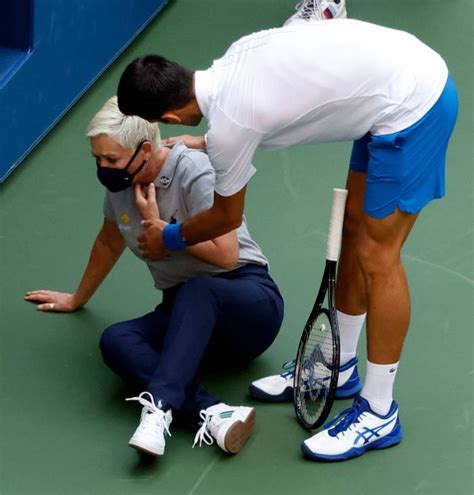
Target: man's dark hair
column 153, row 85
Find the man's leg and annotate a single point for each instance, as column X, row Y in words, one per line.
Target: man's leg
column 350, row 287
column 351, row 307
column 372, row 277
column 351, row 302
column 378, row 247
column 388, row 302
column 405, row 172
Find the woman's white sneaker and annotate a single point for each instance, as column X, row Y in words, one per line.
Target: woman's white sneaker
column 149, row 437
column 229, row 426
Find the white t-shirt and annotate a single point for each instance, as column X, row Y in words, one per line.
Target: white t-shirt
column 311, row 83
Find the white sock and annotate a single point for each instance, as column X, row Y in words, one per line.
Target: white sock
column 349, row 331
column 378, row 386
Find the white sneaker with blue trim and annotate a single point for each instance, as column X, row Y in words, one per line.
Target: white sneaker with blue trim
column 229, row 426
column 275, row 388
column 318, row 10
column 149, row 437
column 353, row 432
column 279, row 388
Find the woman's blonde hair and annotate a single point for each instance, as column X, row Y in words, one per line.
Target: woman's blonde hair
column 128, row 131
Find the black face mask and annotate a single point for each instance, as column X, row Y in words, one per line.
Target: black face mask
column 119, row 179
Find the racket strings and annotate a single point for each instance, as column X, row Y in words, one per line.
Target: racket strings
column 316, row 368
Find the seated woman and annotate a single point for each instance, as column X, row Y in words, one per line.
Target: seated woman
column 219, row 301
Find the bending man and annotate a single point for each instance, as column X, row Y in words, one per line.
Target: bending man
column 312, row 83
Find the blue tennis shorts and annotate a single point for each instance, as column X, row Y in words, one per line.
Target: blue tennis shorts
column 405, row 169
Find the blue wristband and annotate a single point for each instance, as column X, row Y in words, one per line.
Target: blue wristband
column 172, row 237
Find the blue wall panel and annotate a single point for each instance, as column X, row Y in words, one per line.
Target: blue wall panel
column 73, row 43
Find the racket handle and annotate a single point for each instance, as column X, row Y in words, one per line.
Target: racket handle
column 335, row 225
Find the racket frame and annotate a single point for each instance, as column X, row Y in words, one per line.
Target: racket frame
column 327, row 287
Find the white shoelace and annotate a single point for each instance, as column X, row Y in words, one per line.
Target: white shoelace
column 311, row 8
column 151, row 409
column 203, row 434
column 288, row 369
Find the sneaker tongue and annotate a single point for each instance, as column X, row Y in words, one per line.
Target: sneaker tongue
column 361, row 404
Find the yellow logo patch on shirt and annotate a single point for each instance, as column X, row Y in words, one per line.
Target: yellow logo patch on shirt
column 124, row 218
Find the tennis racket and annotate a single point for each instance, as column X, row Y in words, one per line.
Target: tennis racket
column 317, row 361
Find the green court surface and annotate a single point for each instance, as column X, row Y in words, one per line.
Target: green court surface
column 64, row 423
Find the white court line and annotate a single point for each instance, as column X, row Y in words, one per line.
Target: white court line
column 203, row 475
column 440, row 267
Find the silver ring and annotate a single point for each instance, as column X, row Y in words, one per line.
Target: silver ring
column 51, row 306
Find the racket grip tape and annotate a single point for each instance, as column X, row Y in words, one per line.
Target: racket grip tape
column 335, row 224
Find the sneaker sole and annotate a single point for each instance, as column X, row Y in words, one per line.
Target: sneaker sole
column 148, row 449
column 259, row 394
column 342, row 393
column 238, row 434
column 287, row 394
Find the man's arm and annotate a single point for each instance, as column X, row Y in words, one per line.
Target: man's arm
column 107, row 249
column 194, row 142
column 224, row 216
column 230, row 147
column 222, row 252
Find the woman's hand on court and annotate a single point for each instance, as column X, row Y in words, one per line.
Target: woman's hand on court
column 196, row 142
column 51, row 301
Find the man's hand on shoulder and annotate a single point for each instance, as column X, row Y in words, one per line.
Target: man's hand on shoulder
column 195, row 142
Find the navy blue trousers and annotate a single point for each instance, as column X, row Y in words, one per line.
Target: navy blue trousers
column 230, row 318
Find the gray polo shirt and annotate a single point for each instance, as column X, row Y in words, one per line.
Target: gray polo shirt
column 184, row 187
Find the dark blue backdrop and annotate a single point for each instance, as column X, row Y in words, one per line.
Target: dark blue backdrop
column 72, row 43
column 16, row 18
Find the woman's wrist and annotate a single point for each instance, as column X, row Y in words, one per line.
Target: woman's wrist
column 76, row 301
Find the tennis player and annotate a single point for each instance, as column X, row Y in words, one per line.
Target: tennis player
column 315, row 82
column 219, row 305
